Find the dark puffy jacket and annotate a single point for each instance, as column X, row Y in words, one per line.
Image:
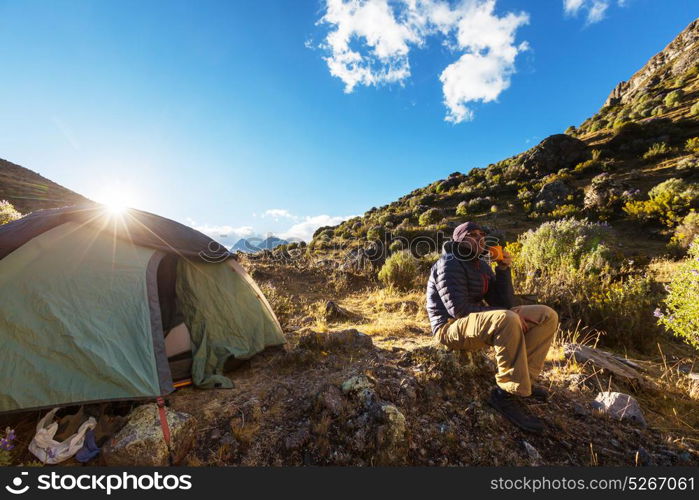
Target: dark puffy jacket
column 458, row 287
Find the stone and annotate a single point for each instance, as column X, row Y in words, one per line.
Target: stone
column 356, row 384
column 642, row 457
column 680, row 55
column 390, row 436
column 342, row 339
column 551, row 195
column 552, row 154
column 334, row 312
column 141, row 443
column 534, row 455
column 606, row 193
column 620, row 406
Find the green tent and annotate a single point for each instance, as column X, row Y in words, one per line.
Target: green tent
column 96, row 306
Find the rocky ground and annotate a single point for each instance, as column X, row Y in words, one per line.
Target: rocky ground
column 361, row 383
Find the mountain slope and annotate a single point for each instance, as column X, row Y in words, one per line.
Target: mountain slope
column 592, row 171
column 29, row 191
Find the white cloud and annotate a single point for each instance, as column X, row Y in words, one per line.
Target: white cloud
column 222, row 232
column 370, row 41
column 304, row 230
column 301, row 229
column 572, row 6
column 595, row 9
column 279, row 213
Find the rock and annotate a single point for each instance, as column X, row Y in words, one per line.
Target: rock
column 642, row 457
column 297, row 439
column 140, row 442
column 343, row 339
column 533, row 453
column 356, row 384
column 551, row 195
column 601, row 359
column 580, row 411
column 369, row 258
column 620, row 406
column 334, row 312
column 680, row 55
column 330, row 398
column 390, row 436
column 552, row 154
column 606, row 193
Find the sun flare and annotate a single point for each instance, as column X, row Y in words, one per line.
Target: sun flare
column 116, row 202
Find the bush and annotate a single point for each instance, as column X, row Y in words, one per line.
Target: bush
column 658, row 149
column 692, row 145
column 568, row 266
column 563, row 211
column 668, row 202
column 673, row 98
column 375, row 233
column 396, row 246
column 8, row 212
column 621, row 307
column 431, row 216
column 462, row 209
column 694, row 110
column 681, row 314
column 685, row 232
column 399, row 271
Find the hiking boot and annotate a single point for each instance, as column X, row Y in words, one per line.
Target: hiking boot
column 540, row 393
column 511, row 407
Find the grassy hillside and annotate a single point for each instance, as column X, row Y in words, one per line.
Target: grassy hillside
column 28, row 191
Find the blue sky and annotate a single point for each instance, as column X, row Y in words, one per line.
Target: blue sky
column 230, row 116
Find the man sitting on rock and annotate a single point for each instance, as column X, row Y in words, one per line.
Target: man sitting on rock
column 470, row 308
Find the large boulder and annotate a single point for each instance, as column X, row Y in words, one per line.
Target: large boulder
column 141, row 443
column 552, row 154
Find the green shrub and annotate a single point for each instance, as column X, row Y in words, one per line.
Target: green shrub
column 681, row 314
column 8, row 212
column 375, row 233
column 462, row 209
column 692, row 145
column 396, row 246
column 588, row 167
column 563, row 211
column 658, row 149
column 621, row 308
column 673, row 98
column 668, row 202
column 567, row 264
column 658, row 110
column 685, row 232
column 431, row 216
column 694, row 110
column 399, row 271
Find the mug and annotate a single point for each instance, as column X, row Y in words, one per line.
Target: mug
column 496, row 253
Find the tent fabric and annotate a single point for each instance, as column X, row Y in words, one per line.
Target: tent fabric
column 135, row 226
column 225, row 318
column 53, row 354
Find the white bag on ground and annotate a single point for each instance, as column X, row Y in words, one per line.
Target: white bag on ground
column 49, row 451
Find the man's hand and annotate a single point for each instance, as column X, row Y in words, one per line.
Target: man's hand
column 523, row 320
column 506, row 261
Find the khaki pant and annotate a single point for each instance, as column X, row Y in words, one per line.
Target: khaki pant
column 519, row 356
